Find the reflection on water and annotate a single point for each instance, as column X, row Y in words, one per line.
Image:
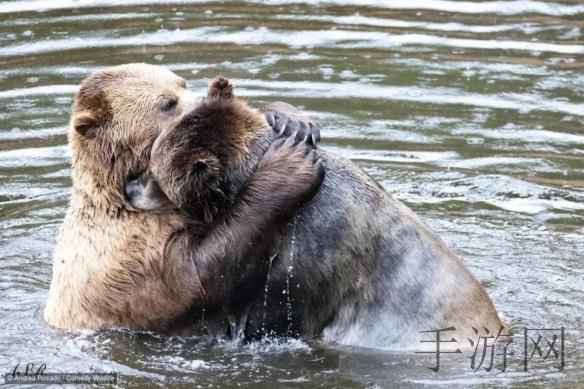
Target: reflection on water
column 472, row 113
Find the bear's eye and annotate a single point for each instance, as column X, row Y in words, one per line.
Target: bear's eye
column 169, row 105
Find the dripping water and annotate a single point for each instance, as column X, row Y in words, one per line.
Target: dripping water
column 266, row 288
column 288, row 277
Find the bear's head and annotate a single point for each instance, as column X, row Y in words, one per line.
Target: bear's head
column 117, row 115
column 200, row 164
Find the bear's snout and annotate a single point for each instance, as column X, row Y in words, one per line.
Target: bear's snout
column 145, row 193
column 132, row 190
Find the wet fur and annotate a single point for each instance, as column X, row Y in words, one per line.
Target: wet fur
column 355, row 266
column 115, row 266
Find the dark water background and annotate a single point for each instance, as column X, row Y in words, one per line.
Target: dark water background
column 472, row 113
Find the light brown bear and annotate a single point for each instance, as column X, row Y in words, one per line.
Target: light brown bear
column 115, row 266
column 355, row 266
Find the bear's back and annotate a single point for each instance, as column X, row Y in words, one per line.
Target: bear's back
column 361, row 268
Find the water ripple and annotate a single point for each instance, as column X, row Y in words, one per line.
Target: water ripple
column 345, row 39
column 469, row 112
column 495, row 7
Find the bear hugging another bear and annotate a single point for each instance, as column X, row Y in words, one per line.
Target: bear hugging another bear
column 116, row 266
column 221, row 196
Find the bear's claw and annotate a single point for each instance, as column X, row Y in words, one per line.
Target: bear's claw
column 288, row 121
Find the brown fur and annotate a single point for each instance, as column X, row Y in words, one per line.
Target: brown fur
column 366, row 270
column 116, row 267
column 198, row 157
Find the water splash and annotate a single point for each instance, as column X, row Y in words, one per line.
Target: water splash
column 237, row 325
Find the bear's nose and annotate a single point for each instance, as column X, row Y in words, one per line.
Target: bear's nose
column 132, row 190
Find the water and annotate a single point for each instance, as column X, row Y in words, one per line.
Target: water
column 290, row 278
column 472, row 113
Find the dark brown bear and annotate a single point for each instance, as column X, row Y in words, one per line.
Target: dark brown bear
column 355, row 266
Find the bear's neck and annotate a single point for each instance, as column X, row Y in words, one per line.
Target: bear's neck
column 97, row 193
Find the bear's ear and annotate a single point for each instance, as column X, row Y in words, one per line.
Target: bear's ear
column 85, row 121
column 91, row 108
column 220, row 87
